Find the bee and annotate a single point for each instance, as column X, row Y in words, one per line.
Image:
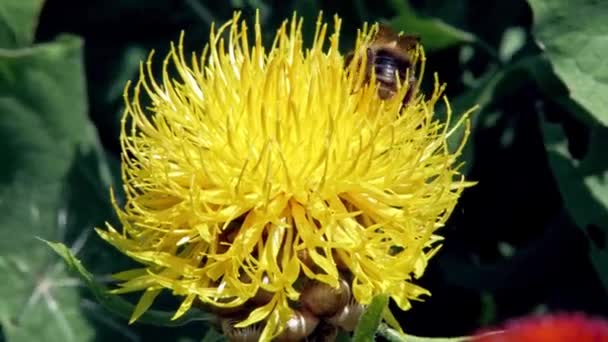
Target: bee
column 390, row 55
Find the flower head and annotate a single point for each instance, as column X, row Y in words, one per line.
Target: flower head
column 264, row 171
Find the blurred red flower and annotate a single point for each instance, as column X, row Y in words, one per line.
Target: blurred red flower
column 564, row 327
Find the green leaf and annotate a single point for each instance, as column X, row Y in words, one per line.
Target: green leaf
column 513, row 40
column 584, row 187
column 18, row 20
column 53, row 185
column 116, row 303
column 480, row 95
column 43, row 127
column 435, row 33
column 574, row 36
column 370, row 320
column 541, row 70
column 343, row 336
column 490, row 88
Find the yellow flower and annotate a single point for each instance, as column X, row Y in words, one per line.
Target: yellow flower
column 260, row 170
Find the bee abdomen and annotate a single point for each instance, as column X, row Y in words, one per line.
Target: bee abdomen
column 388, row 66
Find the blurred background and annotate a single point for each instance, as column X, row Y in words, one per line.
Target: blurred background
column 530, row 238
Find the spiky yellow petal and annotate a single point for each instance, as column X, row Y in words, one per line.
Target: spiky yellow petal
column 250, row 158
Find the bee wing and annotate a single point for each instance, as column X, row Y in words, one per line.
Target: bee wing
column 385, row 36
column 408, row 42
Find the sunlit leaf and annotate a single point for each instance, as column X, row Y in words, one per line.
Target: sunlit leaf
column 574, row 36
column 43, row 127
